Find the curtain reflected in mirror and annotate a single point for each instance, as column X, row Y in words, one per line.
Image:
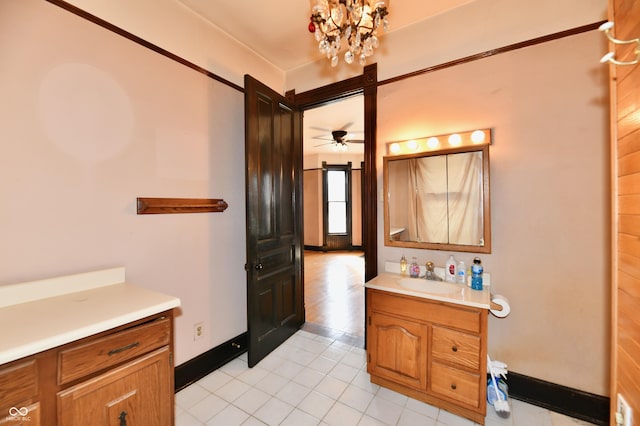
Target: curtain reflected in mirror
column 437, row 201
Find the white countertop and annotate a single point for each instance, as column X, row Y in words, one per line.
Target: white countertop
column 460, row 294
column 41, row 315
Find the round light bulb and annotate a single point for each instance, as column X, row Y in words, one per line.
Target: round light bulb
column 606, row 58
column 606, row 26
column 394, row 148
column 455, row 140
column 477, row 136
column 433, row 142
column 412, row 145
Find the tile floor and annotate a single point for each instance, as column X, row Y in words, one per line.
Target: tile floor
column 318, row 380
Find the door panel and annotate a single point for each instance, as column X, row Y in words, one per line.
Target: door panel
column 625, row 125
column 273, row 145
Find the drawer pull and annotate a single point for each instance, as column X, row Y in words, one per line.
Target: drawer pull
column 123, row 418
column 124, row 348
column 453, row 386
column 454, row 348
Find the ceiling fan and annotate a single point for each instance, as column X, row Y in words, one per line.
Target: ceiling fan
column 339, row 140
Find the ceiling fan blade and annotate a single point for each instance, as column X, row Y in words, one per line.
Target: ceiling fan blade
column 323, row 144
column 322, row 129
column 355, row 141
column 322, row 138
column 346, row 125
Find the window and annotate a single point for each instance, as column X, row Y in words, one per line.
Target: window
column 337, row 201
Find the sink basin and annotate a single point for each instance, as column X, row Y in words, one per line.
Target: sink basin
column 426, row 286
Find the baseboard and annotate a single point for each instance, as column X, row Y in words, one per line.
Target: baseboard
column 200, row 366
column 571, row 402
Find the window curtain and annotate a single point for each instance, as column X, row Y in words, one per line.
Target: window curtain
column 428, row 180
column 465, row 198
column 446, row 196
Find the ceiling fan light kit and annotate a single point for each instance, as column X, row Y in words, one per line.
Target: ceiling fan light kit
column 339, row 140
column 355, row 21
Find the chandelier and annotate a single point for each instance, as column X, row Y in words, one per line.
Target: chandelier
column 354, row 21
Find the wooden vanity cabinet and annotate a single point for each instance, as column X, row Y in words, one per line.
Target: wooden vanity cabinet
column 123, row 376
column 19, row 397
column 429, row 350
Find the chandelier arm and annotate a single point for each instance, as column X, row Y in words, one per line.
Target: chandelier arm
column 618, row 41
column 614, row 61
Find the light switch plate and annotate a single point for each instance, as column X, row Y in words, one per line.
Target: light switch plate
column 624, row 415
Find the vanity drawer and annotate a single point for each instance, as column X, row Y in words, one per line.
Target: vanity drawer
column 456, row 347
column 18, row 385
column 455, row 384
column 105, row 352
column 464, row 318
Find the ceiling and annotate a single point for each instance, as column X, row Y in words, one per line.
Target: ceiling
column 277, row 31
column 347, row 114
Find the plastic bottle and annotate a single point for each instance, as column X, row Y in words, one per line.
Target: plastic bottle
column 450, row 270
column 461, row 273
column 414, row 270
column 476, row 274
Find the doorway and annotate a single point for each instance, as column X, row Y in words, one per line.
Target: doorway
column 333, row 154
column 365, row 84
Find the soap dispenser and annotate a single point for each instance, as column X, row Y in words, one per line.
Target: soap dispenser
column 450, row 270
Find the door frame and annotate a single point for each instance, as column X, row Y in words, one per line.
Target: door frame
column 365, row 84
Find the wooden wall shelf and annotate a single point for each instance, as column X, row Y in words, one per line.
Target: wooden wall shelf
column 180, row 205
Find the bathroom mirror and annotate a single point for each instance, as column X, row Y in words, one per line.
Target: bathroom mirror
column 438, row 200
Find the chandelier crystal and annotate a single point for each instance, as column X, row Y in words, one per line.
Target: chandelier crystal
column 354, row 21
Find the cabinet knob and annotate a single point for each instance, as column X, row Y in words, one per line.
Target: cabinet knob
column 454, row 348
column 453, row 386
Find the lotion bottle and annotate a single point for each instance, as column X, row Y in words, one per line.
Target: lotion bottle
column 450, row 270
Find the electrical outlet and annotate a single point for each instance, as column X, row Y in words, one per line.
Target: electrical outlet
column 624, row 415
column 198, row 330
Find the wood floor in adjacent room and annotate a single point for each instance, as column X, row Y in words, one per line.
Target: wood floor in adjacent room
column 334, row 293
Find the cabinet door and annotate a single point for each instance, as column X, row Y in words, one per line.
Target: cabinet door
column 137, row 393
column 22, row 416
column 398, row 350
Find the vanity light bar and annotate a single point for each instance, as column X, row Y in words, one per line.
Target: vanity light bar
column 435, row 143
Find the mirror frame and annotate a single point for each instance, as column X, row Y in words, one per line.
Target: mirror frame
column 439, row 246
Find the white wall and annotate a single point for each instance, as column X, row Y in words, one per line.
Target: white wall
column 472, row 28
column 174, row 27
column 548, row 107
column 88, row 122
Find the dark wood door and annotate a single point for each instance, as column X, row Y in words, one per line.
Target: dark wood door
column 273, row 152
